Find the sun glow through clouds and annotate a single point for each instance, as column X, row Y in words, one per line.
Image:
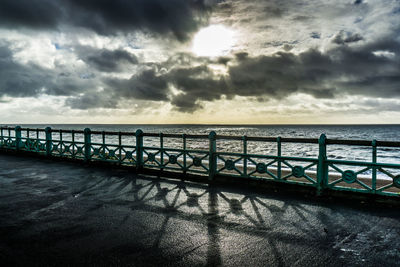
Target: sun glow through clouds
column 213, row 41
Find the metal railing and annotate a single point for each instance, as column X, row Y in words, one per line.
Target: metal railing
column 128, row 148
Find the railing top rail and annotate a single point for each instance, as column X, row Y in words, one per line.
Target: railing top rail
column 284, row 139
column 30, row 129
column 22, row 129
column 67, row 131
column 112, row 133
column 362, row 143
column 195, row 136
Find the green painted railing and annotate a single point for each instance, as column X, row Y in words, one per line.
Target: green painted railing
column 131, row 149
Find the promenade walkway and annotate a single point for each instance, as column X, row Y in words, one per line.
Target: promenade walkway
column 61, row 213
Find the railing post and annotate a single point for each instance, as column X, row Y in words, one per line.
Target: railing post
column 374, row 168
column 244, row 138
column 162, row 151
column 184, row 153
column 48, row 141
column 73, row 143
column 212, row 158
column 61, row 144
column 1, row 137
column 279, row 152
column 120, row 147
column 103, row 146
column 139, row 149
column 87, row 138
column 17, row 137
column 322, row 170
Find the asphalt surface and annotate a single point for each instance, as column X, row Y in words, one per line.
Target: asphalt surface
column 66, row 214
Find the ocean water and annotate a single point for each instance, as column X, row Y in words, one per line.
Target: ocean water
column 360, row 132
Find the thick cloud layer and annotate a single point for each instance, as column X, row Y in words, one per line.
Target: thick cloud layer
column 346, row 37
column 179, row 17
column 370, row 70
column 107, row 60
column 36, row 14
column 145, row 86
column 341, row 70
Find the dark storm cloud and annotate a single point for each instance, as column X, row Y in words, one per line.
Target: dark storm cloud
column 315, row 35
column 107, row 17
column 179, row 17
column 346, row 37
column 197, row 84
column 185, row 103
column 302, row 18
column 241, row 55
column 107, row 60
column 340, row 70
column 36, row 14
column 287, row 47
column 280, row 75
column 377, row 86
column 145, row 86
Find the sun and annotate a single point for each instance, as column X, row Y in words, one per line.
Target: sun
column 213, row 41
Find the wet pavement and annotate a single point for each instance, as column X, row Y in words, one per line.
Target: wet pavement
column 66, row 214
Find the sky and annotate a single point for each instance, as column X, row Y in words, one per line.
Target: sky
column 200, row 61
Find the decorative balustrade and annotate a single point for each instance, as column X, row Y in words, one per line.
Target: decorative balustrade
column 131, row 149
